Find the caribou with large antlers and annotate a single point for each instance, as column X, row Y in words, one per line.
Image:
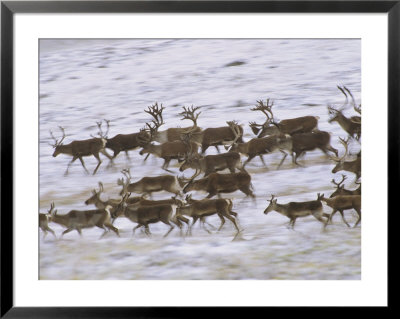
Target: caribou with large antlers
column 213, row 136
column 351, row 125
column 340, row 190
column 349, row 166
column 79, row 149
column 174, row 133
column 303, row 124
column 178, row 150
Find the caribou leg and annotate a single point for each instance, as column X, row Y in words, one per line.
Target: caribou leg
column 359, row 218
column 98, row 165
column 232, row 220
column 147, row 156
column 222, row 221
column 70, row 163
column 171, row 228
column 66, row 231
column 134, row 228
column 341, row 213
column 262, row 160
column 166, row 164
column 284, row 157
column 189, row 231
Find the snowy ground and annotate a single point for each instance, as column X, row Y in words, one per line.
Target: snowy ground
column 84, row 81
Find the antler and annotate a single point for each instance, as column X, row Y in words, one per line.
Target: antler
column 188, row 134
column 235, row 130
column 346, row 146
column 347, row 98
column 338, row 185
column 188, row 198
column 100, row 133
column 188, row 114
column 356, row 108
column 255, row 124
column 265, row 108
column 101, row 188
column 356, row 119
column 56, row 142
column 127, row 173
column 272, row 198
column 333, row 110
column 120, row 181
column 147, row 134
column 51, row 208
column 156, row 112
column 196, row 173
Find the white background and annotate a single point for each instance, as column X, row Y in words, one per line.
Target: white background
column 371, row 290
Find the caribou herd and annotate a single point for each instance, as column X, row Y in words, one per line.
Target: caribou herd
column 188, row 145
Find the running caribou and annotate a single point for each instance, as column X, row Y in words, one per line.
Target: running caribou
column 294, row 210
column 303, row 124
column 351, row 125
column 79, row 149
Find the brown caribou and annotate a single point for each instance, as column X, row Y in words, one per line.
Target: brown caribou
column 303, row 124
column 341, row 203
column 294, row 210
column 79, row 149
column 44, row 222
column 351, row 125
column 216, row 183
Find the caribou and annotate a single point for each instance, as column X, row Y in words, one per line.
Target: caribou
column 149, row 185
column 351, row 125
column 213, row 163
column 169, row 150
column 122, row 142
column 79, row 149
column 174, row 133
column 353, row 166
column 44, row 221
column 144, row 215
column 303, row 124
column 199, row 209
column 266, row 145
column 216, row 183
column 340, row 190
column 341, row 203
column 79, row 219
column 213, row 136
column 304, row 142
column 224, row 135
column 294, row 210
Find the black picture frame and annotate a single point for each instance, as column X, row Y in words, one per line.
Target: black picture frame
column 9, row 8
